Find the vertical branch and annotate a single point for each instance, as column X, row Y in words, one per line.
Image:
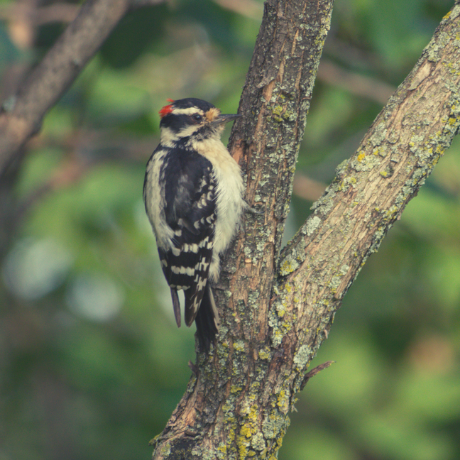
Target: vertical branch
column 230, row 409
column 274, row 104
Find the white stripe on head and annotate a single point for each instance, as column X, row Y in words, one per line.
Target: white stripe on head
column 188, row 111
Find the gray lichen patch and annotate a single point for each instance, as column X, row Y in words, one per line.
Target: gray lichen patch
column 365, row 161
column 379, row 135
column 274, row 424
column 342, row 168
column 278, row 319
column 302, row 357
column 335, row 282
column 311, row 225
column 165, row 449
column 258, row 442
column 326, row 202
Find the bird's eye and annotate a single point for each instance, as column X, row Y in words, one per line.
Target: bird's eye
column 197, row 117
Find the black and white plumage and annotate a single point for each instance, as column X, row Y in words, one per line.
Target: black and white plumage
column 193, row 193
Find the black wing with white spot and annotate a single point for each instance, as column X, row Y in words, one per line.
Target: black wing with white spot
column 190, row 211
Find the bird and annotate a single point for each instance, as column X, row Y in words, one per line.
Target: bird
column 194, row 199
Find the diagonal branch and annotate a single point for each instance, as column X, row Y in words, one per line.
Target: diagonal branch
column 22, row 114
column 368, row 195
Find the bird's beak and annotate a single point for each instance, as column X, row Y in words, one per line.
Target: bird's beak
column 221, row 119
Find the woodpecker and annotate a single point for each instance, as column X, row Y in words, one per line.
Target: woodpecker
column 193, row 195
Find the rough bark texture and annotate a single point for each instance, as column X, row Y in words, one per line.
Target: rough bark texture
column 276, row 310
column 21, row 115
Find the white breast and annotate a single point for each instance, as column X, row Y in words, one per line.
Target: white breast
column 230, row 203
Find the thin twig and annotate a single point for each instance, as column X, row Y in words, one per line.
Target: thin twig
column 357, row 84
column 307, row 188
column 58, row 12
column 248, row 8
column 313, row 372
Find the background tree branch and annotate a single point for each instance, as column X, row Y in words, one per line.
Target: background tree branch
column 22, row 113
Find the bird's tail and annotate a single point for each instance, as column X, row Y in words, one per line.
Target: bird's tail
column 207, row 320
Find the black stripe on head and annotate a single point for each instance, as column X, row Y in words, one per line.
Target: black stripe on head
column 192, row 102
column 175, row 122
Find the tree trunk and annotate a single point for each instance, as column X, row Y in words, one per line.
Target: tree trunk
column 276, row 309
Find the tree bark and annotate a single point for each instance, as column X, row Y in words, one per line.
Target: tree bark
column 276, row 309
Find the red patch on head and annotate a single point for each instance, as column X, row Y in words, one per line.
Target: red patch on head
column 170, row 100
column 165, row 110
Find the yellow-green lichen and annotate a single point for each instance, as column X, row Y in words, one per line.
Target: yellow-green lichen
column 165, row 449
column 239, row 346
column 263, row 354
column 286, row 327
column 277, row 111
column 280, row 310
column 248, row 430
column 288, row 266
column 283, row 401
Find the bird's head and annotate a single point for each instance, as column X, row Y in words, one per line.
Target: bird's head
column 191, row 118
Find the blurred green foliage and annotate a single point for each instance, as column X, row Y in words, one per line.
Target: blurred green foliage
column 91, row 363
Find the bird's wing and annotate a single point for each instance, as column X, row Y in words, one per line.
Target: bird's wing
column 190, row 211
